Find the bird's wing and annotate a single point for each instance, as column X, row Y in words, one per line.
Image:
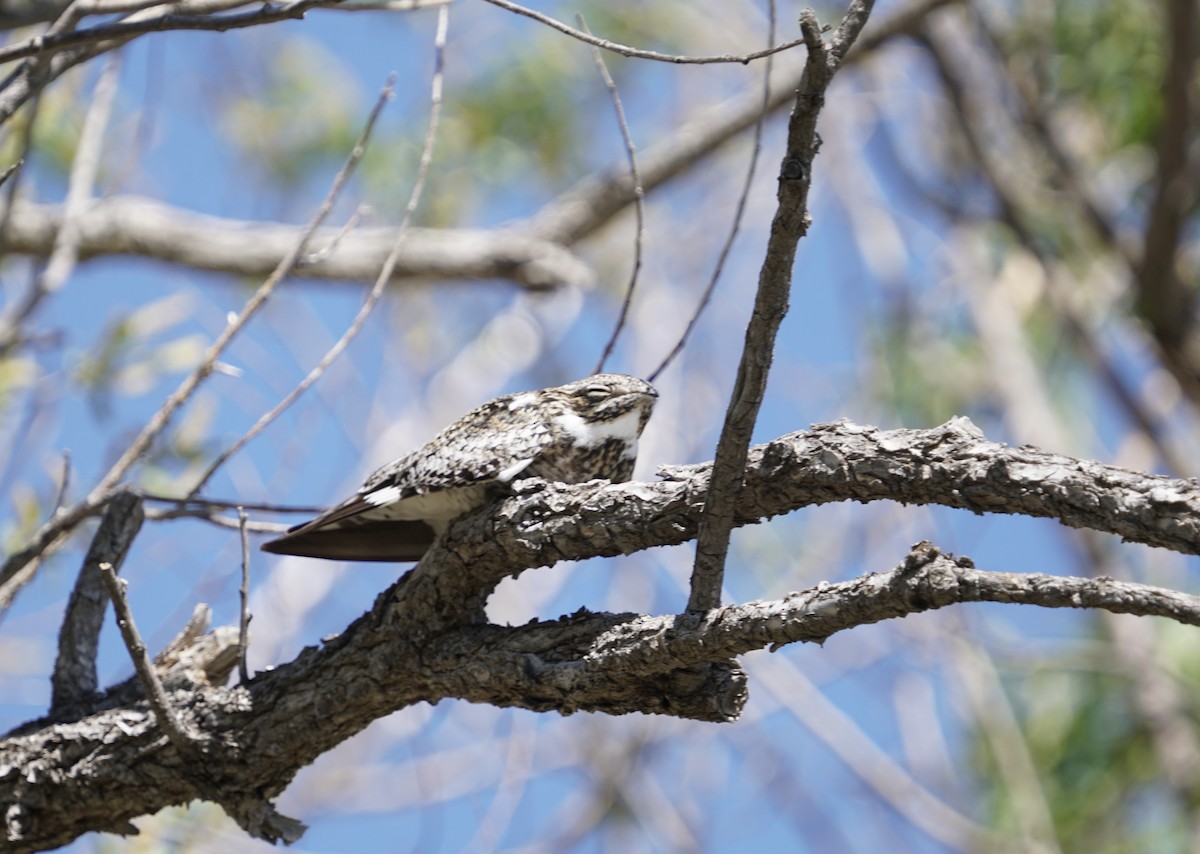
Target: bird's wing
column 391, row 541
column 491, row 444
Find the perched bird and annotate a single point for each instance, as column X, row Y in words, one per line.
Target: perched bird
column 581, row 431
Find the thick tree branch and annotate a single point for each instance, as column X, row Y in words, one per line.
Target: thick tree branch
column 130, row 225
column 99, row 773
column 953, row 465
column 531, row 253
column 423, row 640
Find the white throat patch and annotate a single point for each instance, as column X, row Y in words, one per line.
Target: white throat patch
column 588, row 434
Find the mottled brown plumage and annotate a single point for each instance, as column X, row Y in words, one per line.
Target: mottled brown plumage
column 581, row 431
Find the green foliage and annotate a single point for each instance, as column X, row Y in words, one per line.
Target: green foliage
column 513, row 112
column 1108, row 58
column 1095, row 758
column 55, row 133
column 305, row 111
column 17, row 374
column 28, row 513
column 926, row 378
column 129, row 357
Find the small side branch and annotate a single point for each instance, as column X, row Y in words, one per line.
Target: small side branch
column 244, row 596
column 738, row 213
column 639, row 200
column 155, row 694
column 638, row 53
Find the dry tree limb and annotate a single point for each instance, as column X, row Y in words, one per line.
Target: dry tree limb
column 770, row 302
column 74, row 681
column 613, row 663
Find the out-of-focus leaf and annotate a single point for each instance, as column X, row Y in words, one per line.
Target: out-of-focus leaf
column 17, row 373
column 306, row 110
column 126, row 361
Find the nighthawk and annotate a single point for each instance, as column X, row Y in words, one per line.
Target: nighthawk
column 581, row 431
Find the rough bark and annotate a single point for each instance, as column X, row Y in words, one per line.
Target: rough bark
column 424, row 639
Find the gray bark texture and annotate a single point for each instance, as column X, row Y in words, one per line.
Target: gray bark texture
column 425, row 638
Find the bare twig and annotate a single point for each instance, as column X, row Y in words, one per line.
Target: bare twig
column 325, row 251
column 84, row 169
column 82, row 179
column 385, row 95
column 17, row 164
column 207, row 364
column 74, row 679
column 738, row 213
column 382, row 5
column 211, row 516
column 639, row 198
column 49, row 55
column 97, row 37
column 36, row 13
column 244, row 594
column 215, row 503
column 385, row 272
column 578, row 212
column 19, row 566
column 67, row 19
column 155, row 694
column 770, row 304
column 35, row 73
column 634, row 52
column 64, row 482
column 52, row 532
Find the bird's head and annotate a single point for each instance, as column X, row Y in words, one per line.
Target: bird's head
column 604, row 398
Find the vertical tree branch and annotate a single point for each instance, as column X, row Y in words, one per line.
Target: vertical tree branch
column 1163, row 298
column 83, row 177
column 74, row 679
column 770, row 303
column 244, row 597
